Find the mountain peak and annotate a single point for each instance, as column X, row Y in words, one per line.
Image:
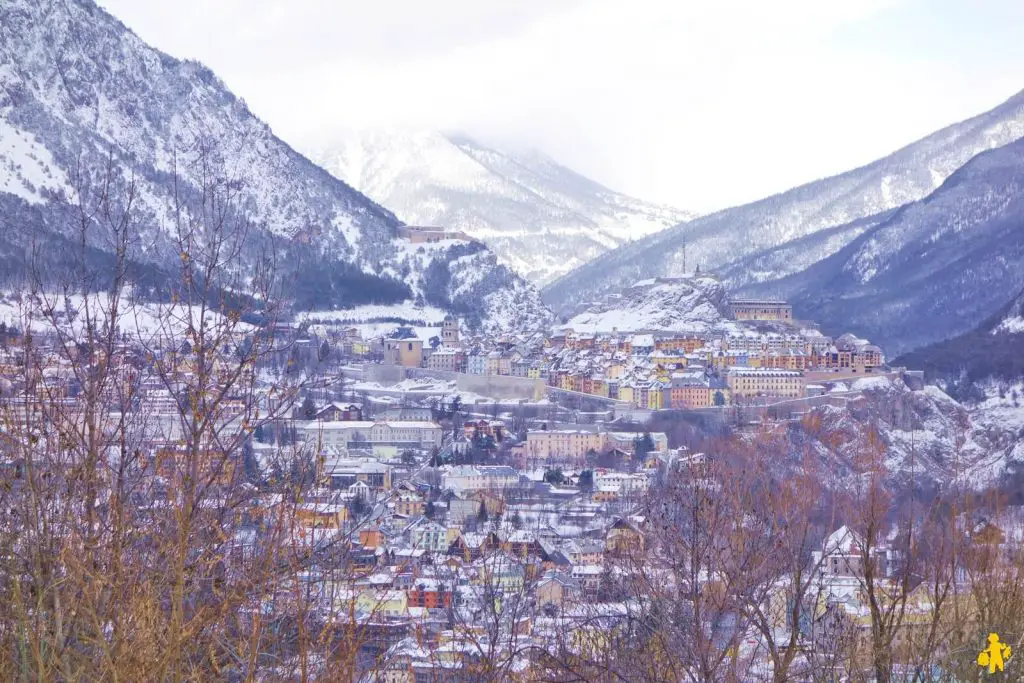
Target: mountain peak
column 540, row 217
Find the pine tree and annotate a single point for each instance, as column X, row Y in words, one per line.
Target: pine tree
column 642, row 447
column 482, row 515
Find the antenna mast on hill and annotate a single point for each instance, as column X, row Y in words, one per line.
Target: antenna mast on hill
column 684, row 257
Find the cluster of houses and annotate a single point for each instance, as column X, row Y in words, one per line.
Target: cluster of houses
column 436, row 548
column 438, row 556
column 741, row 363
column 662, row 371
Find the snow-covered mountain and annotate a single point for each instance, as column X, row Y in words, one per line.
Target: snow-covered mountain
column 934, row 269
column 694, row 304
column 541, row 218
column 78, row 90
column 720, row 239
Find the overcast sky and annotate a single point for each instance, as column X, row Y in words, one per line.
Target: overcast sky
column 698, row 104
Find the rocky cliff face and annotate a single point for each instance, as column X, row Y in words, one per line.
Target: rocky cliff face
column 683, row 304
column 921, row 436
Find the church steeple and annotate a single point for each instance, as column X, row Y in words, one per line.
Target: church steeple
column 450, row 331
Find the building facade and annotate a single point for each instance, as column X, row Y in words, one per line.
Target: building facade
column 745, row 383
column 344, row 433
column 450, row 332
column 761, row 309
column 405, row 352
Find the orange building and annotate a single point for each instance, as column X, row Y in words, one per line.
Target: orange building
column 429, row 593
column 371, row 537
column 678, row 344
column 696, row 395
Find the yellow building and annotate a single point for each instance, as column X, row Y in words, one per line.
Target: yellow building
column 572, row 382
column 568, row 444
column 409, row 504
column 750, row 382
column 383, row 604
column 321, row 515
column 665, row 357
column 615, row 370
column 404, row 352
column 678, row 345
column 656, row 396
column 623, row 536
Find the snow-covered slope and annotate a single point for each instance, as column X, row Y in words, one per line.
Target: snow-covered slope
column 77, row 88
column 721, row 238
column 541, row 218
column 1012, row 321
column 684, row 304
column 796, row 255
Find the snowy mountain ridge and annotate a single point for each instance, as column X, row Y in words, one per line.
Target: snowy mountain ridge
column 718, row 240
column 541, row 218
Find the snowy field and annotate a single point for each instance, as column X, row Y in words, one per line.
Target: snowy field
column 426, row 386
column 425, row 321
column 144, row 321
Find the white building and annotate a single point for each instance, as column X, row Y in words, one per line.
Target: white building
column 344, row 433
column 843, row 555
column 430, row 536
column 479, row 478
column 623, row 483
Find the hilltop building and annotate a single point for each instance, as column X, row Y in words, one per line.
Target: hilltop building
column 761, row 309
